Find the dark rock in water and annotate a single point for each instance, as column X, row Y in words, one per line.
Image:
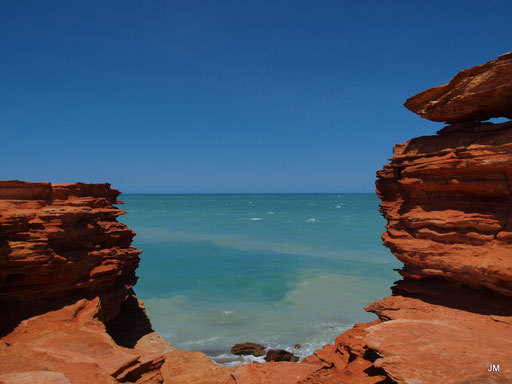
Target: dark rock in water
column 298, row 346
column 280, row 355
column 248, row 349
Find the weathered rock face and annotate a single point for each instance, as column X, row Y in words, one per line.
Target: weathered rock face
column 457, row 344
column 448, row 202
column 73, row 343
column 478, row 93
column 66, row 275
column 60, row 243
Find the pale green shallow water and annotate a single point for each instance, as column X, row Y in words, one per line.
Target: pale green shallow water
column 279, row 269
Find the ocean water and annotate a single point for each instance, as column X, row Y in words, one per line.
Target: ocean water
column 275, row 269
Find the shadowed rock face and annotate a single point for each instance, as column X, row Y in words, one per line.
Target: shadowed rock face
column 478, row 93
column 60, row 243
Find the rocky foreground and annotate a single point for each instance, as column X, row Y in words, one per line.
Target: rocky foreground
column 67, row 269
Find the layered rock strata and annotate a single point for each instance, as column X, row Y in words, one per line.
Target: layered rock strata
column 67, row 269
column 60, row 243
column 448, row 202
column 475, row 94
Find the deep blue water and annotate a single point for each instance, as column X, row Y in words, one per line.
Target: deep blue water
column 278, row 269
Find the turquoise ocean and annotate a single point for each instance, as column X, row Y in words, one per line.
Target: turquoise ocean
column 275, row 269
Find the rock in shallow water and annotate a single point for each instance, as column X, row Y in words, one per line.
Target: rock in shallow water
column 280, row 355
column 248, row 349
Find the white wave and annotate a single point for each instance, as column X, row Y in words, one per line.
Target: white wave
column 255, row 218
column 270, row 212
column 227, row 312
column 229, row 360
column 192, row 343
column 311, row 220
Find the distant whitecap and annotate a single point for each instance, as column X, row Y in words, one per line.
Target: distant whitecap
column 270, row 213
column 227, row 312
column 255, row 218
column 312, row 220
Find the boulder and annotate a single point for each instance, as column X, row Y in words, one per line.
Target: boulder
column 248, row 349
column 280, row 355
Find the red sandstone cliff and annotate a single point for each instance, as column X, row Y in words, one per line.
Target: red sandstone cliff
column 60, row 243
column 66, row 275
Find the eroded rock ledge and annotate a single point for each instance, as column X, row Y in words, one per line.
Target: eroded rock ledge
column 475, row 94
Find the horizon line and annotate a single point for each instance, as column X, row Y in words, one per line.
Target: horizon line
column 243, row 193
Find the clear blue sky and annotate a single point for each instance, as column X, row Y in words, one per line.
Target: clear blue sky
column 227, row 96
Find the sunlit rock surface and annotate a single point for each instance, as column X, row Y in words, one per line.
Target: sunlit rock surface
column 478, row 93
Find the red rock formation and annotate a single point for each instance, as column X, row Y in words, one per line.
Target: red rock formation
column 190, row 367
column 72, row 342
column 61, row 243
column 477, row 93
column 66, row 275
column 448, row 202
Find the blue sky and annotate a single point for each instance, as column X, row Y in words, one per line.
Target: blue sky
column 227, row 96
